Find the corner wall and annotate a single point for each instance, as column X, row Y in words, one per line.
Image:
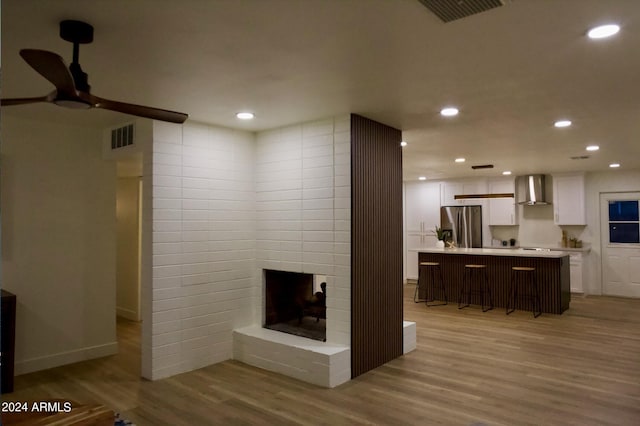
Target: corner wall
column 58, row 242
column 199, row 219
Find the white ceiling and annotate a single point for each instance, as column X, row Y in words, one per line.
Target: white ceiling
column 512, row 71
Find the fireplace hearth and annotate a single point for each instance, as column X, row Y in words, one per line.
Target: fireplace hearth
column 292, row 306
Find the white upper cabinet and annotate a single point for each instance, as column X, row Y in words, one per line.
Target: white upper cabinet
column 502, row 211
column 448, row 191
column 422, row 208
column 569, row 199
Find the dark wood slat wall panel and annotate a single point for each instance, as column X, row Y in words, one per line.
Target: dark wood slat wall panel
column 552, row 274
column 376, row 244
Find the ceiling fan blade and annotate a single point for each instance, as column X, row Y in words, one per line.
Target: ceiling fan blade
column 139, row 110
column 52, row 67
column 23, row 101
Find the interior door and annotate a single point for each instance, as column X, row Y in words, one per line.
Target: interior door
column 620, row 243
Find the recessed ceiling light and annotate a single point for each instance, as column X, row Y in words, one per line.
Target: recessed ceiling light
column 422, row 178
column 460, row 160
column 403, row 144
column 614, row 165
column 506, row 173
column 562, row 123
column 603, row 31
column 245, row 115
column 593, row 148
column 449, row 111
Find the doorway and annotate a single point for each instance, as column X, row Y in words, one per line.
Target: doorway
column 620, row 243
column 128, row 247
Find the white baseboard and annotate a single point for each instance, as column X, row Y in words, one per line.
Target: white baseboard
column 63, row 358
column 127, row 314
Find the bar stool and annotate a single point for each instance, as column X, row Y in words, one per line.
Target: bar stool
column 479, row 272
column 523, row 276
column 432, row 270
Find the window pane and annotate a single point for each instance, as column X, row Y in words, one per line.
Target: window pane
column 624, row 233
column 623, row 210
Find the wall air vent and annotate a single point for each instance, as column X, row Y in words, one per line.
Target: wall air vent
column 450, row 10
column 122, row 136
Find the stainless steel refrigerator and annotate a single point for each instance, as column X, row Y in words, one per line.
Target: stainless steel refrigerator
column 462, row 225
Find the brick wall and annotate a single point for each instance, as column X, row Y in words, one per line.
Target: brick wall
column 203, row 240
column 303, row 210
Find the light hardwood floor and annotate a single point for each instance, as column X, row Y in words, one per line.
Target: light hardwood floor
column 470, row 368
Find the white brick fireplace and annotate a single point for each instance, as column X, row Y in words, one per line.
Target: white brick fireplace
column 220, row 207
column 303, row 212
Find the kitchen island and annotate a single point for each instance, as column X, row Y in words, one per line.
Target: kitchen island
column 552, row 270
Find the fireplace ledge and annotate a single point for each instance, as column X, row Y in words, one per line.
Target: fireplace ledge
column 320, row 363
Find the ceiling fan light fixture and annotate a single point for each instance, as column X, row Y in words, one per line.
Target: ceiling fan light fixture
column 245, row 115
column 603, row 31
column 72, row 103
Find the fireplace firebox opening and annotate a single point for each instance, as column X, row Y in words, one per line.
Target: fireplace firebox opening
column 295, row 303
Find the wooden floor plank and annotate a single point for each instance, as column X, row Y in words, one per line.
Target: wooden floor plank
column 470, row 367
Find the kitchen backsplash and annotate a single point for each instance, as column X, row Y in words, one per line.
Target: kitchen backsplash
column 537, row 228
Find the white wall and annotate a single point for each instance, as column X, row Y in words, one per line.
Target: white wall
column 200, row 278
column 58, row 242
column 595, row 184
column 303, row 190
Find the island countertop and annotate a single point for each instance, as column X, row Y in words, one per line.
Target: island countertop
column 493, row 252
column 551, row 273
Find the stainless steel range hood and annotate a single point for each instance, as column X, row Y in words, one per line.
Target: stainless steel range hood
column 531, row 190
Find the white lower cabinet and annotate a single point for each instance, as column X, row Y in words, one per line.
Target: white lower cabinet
column 415, row 242
column 575, row 263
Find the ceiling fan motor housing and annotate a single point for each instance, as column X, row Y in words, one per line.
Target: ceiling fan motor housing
column 80, row 78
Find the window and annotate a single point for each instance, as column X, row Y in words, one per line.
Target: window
column 624, row 222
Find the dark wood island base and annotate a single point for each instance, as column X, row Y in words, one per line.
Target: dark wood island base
column 552, row 274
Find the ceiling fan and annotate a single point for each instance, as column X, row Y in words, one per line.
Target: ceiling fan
column 72, row 88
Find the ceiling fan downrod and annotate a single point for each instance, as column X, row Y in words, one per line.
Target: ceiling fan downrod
column 77, row 32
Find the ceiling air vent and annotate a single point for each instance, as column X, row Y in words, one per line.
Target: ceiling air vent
column 122, row 136
column 579, row 157
column 450, row 10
